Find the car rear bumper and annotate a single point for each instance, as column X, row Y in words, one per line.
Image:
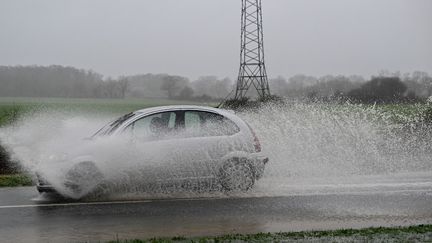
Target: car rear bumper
column 260, row 159
column 259, row 166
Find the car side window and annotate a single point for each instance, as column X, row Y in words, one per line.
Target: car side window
column 192, row 121
column 205, row 124
column 153, row 127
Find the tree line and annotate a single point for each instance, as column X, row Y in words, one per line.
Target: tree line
column 57, row 81
column 383, row 88
column 70, row 82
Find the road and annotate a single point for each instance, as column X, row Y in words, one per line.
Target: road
column 274, row 205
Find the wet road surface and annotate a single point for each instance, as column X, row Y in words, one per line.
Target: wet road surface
column 274, row 205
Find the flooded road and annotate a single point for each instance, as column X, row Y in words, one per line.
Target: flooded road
column 362, row 201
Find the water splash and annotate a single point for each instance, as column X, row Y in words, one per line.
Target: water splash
column 310, row 140
column 302, row 141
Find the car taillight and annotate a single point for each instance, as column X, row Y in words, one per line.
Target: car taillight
column 257, row 144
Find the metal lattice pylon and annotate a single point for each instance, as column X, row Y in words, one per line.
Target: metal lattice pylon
column 252, row 66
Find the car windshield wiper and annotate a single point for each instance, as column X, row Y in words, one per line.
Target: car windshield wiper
column 120, row 121
column 113, row 125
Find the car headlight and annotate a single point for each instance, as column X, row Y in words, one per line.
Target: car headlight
column 58, row 157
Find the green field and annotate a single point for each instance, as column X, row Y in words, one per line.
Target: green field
column 12, row 108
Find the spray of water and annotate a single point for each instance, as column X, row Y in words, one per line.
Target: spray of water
column 302, row 141
column 310, row 140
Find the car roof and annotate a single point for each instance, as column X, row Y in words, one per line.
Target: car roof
column 182, row 107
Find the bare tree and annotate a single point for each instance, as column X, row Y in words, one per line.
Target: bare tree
column 173, row 85
column 123, row 86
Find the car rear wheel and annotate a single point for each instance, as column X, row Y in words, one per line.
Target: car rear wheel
column 237, row 175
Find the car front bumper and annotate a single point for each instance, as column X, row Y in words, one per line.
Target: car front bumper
column 45, row 188
column 42, row 185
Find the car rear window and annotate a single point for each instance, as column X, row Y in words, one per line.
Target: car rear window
column 204, row 124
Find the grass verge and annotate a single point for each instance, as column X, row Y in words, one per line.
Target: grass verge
column 420, row 233
column 15, row 180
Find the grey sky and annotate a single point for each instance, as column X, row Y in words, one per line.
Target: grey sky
column 201, row 37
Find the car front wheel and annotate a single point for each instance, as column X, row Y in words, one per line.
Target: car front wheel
column 83, row 178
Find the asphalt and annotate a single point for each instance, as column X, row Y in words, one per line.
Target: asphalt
column 274, row 205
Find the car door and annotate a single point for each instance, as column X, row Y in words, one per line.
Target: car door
column 153, row 158
column 203, row 138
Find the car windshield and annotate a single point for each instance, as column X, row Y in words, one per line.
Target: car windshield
column 110, row 127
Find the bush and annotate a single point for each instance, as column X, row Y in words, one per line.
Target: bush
column 383, row 90
column 427, row 116
column 6, row 165
column 15, row 180
column 271, row 99
column 247, row 103
column 236, row 104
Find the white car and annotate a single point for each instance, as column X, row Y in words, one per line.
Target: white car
column 170, row 144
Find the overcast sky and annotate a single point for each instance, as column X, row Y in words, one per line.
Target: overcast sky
column 202, row 37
